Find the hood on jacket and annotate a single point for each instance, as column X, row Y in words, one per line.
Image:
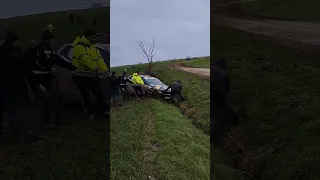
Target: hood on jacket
column 135, row 74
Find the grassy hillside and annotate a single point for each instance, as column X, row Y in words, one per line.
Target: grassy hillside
column 152, row 138
column 284, row 9
column 278, row 88
column 197, row 108
column 31, row 26
column 199, row 63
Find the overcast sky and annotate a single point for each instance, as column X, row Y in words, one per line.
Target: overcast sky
column 25, row 7
column 180, row 28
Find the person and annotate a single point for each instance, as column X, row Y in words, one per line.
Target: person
column 83, row 53
column 94, row 20
column 176, row 88
column 29, row 55
column 137, row 83
column 13, row 89
column 43, row 75
column 124, row 89
column 78, row 19
column 124, row 74
column 222, row 113
column 71, row 16
column 115, row 83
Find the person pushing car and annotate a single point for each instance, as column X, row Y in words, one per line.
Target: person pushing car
column 137, row 83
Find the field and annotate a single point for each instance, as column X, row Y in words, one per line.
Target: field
column 284, row 9
column 77, row 150
column 199, row 63
column 27, row 27
column 278, row 89
column 183, row 146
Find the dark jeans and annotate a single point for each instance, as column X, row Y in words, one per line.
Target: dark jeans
column 115, row 93
column 138, row 90
column 178, row 94
column 14, row 101
column 51, row 98
column 33, row 84
column 87, row 84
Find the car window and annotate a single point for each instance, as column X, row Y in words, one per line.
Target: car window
column 153, row 80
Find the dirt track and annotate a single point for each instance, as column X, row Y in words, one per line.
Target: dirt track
column 307, row 32
column 205, row 72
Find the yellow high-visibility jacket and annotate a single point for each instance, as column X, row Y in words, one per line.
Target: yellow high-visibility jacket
column 96, row 56
column 136, row 79
column 81, row 58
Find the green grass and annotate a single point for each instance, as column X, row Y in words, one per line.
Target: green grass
column 284, row 9
column 77, row 151
column 196, row 89
column 31, row 26
column 278, row 88
column 182, row 151
column 199, row 63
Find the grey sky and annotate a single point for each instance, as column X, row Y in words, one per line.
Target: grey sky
column 25, row 7
column 180, row 28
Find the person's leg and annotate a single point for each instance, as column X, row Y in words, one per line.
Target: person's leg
column 97, row 91
column 14, row 111
column 140, row 91
column 180, row 96
column 113, row 98
column 173, row 94
column 55, row 99
column 83, row 87
column 32, row 81
column 136, row 90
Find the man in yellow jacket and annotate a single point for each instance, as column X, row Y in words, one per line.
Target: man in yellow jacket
column 137, row 83
column 87, row 58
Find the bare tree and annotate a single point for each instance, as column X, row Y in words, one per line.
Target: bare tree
column 148, row 49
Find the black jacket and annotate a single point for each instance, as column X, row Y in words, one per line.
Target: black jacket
column 12, row 65
column 44, row 58
column 115, row 82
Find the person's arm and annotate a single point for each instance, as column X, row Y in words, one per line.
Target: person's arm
column 80, row 52
column 100, row 62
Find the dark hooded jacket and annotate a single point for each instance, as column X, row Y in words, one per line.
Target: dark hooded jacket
column 11, row 63
column 220, row 81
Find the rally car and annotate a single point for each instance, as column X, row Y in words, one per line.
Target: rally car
column 155, row 86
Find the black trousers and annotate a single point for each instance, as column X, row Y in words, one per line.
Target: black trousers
column 138, row 90
column 178, row 94
column 87, row 84
column 50, row 96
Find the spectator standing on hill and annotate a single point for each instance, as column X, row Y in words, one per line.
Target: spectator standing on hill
column 78, row 19
column 71, row 16
column 13, row 88
column 124, row 74
column 115, row 92
column 94, row 20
